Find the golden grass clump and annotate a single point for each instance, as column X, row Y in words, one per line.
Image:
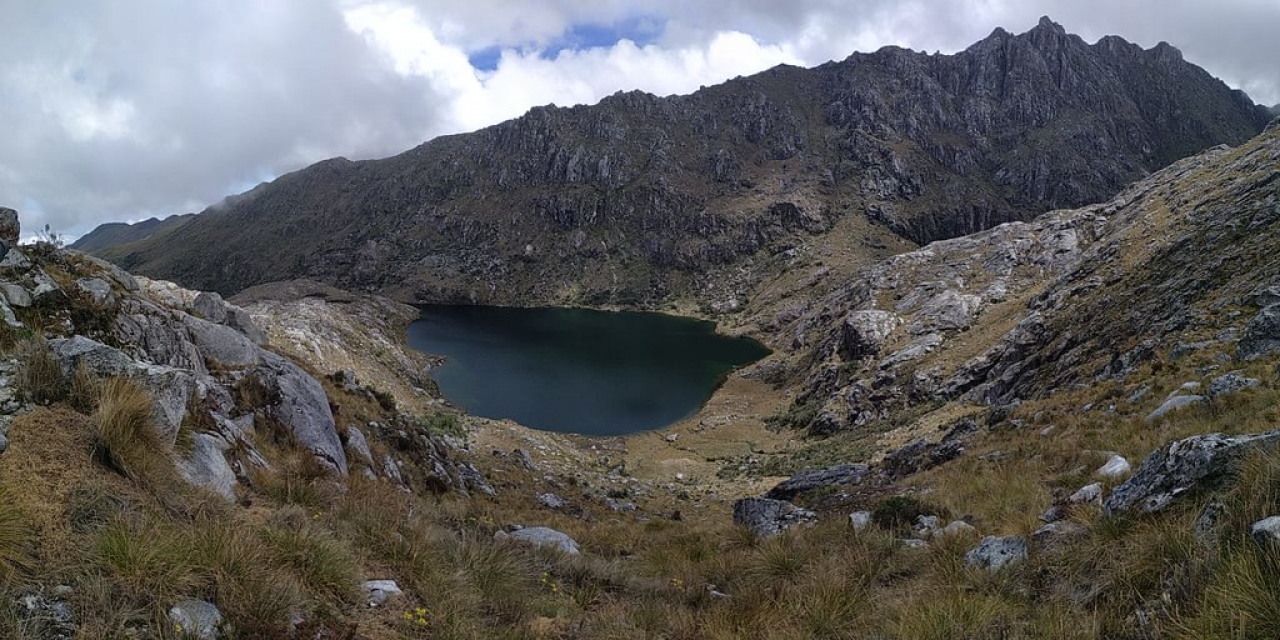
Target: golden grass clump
column 125, row 438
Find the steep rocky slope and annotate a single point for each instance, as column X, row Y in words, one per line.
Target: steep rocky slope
column 706, row 197
column 1180, row 262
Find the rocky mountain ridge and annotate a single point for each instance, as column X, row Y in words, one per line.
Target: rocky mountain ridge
column 709, row 197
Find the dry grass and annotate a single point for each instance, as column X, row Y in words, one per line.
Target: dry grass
column 39, row 379
column 125, row 435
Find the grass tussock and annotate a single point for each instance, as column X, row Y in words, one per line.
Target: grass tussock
column 39, row 378
column 125, row 436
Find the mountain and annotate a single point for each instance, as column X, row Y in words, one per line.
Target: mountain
column 115, row 233
column 707, row 197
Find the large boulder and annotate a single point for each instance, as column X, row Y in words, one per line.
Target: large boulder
column 844, row 474
column 1182, row 466
column 767, row 518
column 864, row 333
column 221, row 345
column 301, row 406
column 171, row 388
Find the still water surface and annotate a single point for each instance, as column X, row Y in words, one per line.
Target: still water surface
column 577, row 370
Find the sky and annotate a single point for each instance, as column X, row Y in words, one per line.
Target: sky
column 120, row 110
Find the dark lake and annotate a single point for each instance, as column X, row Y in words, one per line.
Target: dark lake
column 577, row 370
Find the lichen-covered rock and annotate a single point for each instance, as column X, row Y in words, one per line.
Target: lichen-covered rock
column 1229, row 383
column 997, row 552
column 767, row 518
column 1266, row 533
column 198, row 619
column 1182, row 466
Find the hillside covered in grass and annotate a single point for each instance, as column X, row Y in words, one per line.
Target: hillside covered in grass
column 1061, row 428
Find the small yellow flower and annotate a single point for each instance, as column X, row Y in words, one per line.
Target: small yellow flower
column 407, row 616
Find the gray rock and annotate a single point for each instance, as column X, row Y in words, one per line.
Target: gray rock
column 155, row 336
column 471, row 478
column 1173, row 404
column 210, row 306
column 546, row 537
column 672, row 437
column 220, row 345
column 198, row 619
column 845, row 474
column 46, row 288
column 8, row 316
column 926, row 525
column 1266, row 532
column 947, row 311
column 15, row 259
column 996, row 552
column 913, row 543
column 865, row 332
column 206, row 466
column 1229, row 383
column 1115, row 467
column 551, row 501
column 4, row 442
column 16, row 295
column 1262, row 335
column 391, row 470
column 860, row 520
column 171, row 389
column 767, row 518
column 241, row 321
column 303, row 409
column 380, row 591
column 359, row 445
column 919, row 348
column 10, row 227
column 1182, row 466
column 98, row 290
column 920, row 455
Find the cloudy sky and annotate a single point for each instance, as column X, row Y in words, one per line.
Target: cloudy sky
column 119, row 110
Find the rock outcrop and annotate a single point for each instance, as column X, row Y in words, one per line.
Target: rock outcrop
column 1184, row 466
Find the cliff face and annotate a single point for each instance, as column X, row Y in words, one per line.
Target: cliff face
column 640, row 199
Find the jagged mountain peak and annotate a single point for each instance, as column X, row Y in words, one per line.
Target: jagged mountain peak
column 640, row 200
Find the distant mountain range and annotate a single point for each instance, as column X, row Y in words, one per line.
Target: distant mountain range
column 715, row 197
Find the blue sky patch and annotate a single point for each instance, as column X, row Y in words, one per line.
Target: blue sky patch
column 579, row 37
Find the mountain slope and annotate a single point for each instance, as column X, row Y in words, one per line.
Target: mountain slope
column 640, row 199
column 1177, row 264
